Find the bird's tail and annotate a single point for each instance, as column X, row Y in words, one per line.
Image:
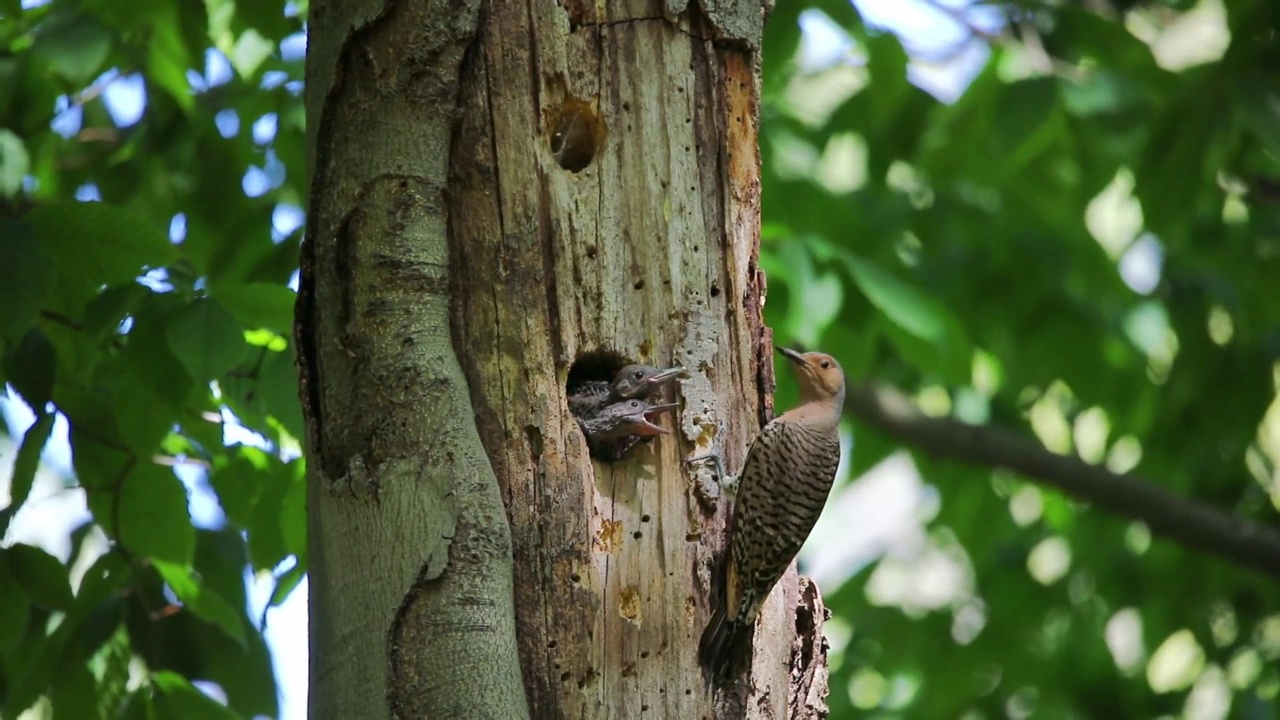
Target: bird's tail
column 719, row 641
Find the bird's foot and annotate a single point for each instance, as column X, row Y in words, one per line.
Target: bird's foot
column 728, row 483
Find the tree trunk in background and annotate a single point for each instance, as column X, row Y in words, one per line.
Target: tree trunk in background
column 410, row 552
column 597, row 179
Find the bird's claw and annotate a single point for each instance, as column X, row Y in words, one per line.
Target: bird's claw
column 728, row 483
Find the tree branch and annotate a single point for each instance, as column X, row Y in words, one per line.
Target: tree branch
column 1185, row 521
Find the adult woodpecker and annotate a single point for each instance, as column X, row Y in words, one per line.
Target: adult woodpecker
column 781, row 491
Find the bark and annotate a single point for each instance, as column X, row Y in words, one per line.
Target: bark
column 410, row 552
column 606, row 197
column 500, row 190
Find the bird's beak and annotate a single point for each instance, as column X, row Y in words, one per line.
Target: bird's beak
column 646, row 426
column 666, row 375
column 792, row 355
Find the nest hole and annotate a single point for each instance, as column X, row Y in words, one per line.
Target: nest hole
column 576, row 135
column 595, row 366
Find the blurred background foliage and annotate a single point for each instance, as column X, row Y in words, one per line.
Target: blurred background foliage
column 1059, row 219
column 1056, row 218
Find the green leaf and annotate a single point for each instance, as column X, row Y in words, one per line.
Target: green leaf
column 249, row 52
column 154, row 521
column 74, row 44
column 94, row 244
column 103, row 314
column 41, row 575
column 207, row 340
column 293, row 511
column 75, row 693
column 267, row 545
column 907, row 307
column 258, row 305
column 202, row 600
column 168, row 58
column 278, row 390
column 1020, row 118
column 28, row 278
column 26, row 463
column 151, row 359
column 14, row 611
column 238, row 482
column 30, row 369
column 265, row 18
column 179, row 699
column 15, row 163
column 286, row 584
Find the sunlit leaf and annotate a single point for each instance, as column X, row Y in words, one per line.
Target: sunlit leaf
column 207, row 340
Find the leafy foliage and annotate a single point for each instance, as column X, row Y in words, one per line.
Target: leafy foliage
column 1081, row 247
column 151, row 160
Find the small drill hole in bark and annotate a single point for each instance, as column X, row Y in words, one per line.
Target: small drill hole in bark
column 639, row 285
column 576, row 134
column 637, row 535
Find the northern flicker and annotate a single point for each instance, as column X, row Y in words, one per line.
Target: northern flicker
column 781, row 491
column 620, row 421
column 633, row 382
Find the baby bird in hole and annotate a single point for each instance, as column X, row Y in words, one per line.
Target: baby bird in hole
column 609, row 429
column 592, row 398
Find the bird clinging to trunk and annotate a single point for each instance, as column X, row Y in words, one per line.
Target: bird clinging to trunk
column 781, row 491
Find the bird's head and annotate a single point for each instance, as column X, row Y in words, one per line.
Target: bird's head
column 818, row 374
column 634, row 381
column 634, row 417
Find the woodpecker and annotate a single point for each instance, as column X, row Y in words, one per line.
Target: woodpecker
column 781, row 491
column 619, row 422
column 633, row 382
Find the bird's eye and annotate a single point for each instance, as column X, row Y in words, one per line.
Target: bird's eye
column 825, row 364
column 639, row 375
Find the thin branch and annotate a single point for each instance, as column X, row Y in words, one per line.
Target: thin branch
column 1193, row 524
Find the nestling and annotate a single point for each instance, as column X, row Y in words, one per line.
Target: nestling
column 619, row 422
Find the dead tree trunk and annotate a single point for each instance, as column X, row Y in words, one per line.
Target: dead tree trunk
column 605, row 189
column 579, row 183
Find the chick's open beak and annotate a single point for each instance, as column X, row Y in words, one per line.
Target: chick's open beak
column 645, row 424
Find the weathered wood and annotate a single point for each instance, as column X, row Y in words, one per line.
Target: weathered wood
column 605, row 190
